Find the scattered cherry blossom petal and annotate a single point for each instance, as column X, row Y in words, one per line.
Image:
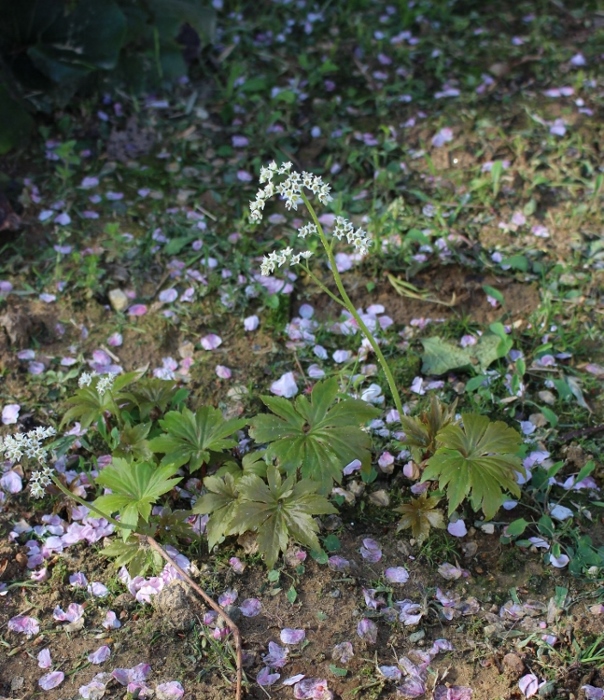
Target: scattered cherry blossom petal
column 593, row 693
column 367, row 631
column 251, row 323
column 223, row 372
column 338, row 563
column 291, row 636
column 137, row 310
column 100, row 655
column 172, row 690
column 392, row 673
column 24, row 625
column 265, row 677
column 312, row 689
column 250, row 607
column 397, row 574
column 11, row 482
column 10, row 413
column 228, row 597
column 44, row 660
column 285, row 386
column 277, row 655
column 97, row 589
column 111, row 621
column 529, row 685
column 167, row 296
column 457, row 528
column 211, row 341
column 51, row 680
column 444, row 136
column 137, row 674
column 237, row 564
column 559, row 562
column 371, row 550
column 412, row 687
column 292, row 680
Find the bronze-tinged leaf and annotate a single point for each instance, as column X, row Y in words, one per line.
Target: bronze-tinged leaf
column 420, row 514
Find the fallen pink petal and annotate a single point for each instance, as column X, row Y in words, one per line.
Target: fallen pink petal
column 172, row 690
column 100, row 655
column 51, row 680
column 291, row 636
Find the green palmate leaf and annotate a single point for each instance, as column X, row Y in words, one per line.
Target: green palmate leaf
column 149, row 395
column 477, row 460
column 220, row 504
column 133, row 442
column 420, row 514
column 135, row 488
column 138, row 560
column 87, row 406
column 318, row 437
column 421, row 431
column 278, row 510
column 189, row 437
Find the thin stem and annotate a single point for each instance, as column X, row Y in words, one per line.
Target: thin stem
column 86, row 504
column 323, row 287
column 234, row 629
column 350, row 306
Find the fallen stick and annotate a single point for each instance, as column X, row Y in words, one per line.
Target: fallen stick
column 147, row 539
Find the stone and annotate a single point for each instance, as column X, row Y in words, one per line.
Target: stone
column 118, row 300
column 174, row 605
column 513, row 665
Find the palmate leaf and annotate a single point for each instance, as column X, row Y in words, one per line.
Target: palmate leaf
column 190, row 437
column 421, row 431
column 477, row 460
column 133, row 442
column 151, row 394
column 220, row 504
column 135, row 488
column 278, row 510
column 138, row 560
column 318, row 437
column 420, row 514
column 87, row 406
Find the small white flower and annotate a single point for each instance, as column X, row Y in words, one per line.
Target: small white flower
column 85, row 379
column 105, row 383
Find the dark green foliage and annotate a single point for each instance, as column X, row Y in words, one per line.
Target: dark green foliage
column 51, row 49
column 190, row 438
column 134, row 489
column 274, row 509
column 317, row 437
column 477, row 460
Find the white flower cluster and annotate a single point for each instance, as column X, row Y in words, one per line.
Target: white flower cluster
column 85, row 379
column 280, row 258
column 359, row 238
column 104, row 383
column 13, row 447
column 38, row 482
column 290, row 188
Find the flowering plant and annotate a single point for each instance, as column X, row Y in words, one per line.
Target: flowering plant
column 292, row 188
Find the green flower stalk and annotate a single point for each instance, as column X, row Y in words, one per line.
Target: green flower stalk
column 291, row 188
